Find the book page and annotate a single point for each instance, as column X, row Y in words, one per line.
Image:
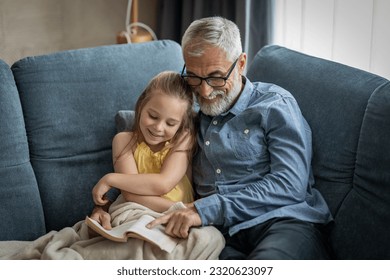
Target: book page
column 155, row 235
column 137, row 229
column 116, row 234
column 120, row 231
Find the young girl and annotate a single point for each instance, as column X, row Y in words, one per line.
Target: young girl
column 152, row 163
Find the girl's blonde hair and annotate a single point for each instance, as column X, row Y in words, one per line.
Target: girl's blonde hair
column 171, row 84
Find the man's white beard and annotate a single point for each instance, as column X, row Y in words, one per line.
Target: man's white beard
column 225, row 102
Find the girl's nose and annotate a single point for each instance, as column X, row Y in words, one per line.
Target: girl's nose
column 159, row 126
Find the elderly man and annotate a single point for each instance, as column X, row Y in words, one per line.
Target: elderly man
column 252, row 171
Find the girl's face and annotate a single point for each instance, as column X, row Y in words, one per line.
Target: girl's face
column 160, row 119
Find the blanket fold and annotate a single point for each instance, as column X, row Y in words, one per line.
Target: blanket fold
column 74, row 243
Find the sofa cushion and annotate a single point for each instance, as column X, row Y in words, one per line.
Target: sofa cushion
column 69, row 101
column 364, row 216
column 124, row 120
column 21, row 208
column 345, row 108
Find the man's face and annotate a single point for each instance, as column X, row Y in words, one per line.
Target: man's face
column 215, row 100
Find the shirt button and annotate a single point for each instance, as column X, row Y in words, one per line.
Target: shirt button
column 246, row 131
column 215, row 122
column 218, row 171
column 207, row 143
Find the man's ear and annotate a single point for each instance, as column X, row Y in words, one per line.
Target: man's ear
column 242, row 62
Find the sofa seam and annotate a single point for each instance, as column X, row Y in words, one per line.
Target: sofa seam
column 15, row 165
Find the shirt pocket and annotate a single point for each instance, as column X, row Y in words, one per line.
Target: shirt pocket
column 248, row 143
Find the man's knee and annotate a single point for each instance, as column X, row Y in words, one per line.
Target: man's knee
column 290, row 239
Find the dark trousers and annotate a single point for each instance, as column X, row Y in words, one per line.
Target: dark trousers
column 277, row 239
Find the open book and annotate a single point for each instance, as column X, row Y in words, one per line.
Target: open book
column 136, row 229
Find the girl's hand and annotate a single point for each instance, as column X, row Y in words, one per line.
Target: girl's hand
column 99, row 191
column 100, row 214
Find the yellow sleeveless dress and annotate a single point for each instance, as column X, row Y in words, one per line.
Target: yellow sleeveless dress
column 150, row 162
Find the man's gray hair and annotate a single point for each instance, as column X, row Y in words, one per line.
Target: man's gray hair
column 212, row 31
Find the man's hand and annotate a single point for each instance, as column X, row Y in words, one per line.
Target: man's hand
column 179, row 222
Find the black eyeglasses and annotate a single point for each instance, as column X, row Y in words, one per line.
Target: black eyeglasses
column 194, row 81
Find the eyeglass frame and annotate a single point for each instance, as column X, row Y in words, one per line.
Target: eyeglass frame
column 207, row 78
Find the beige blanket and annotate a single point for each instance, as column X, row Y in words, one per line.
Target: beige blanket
column 73, row 242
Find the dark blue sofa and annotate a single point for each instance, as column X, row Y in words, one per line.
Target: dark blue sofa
column 57, row 121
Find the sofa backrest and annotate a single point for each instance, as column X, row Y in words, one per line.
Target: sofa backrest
column 21, row 208
column 349, row 113
column 69, row 101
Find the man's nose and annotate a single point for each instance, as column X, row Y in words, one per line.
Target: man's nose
column 204, row 90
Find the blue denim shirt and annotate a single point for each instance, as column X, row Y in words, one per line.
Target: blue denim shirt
column 253, row 162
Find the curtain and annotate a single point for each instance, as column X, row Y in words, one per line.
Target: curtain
column 251, row 16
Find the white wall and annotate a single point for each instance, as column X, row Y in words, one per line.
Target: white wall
column 33, row 27
column 353, row 32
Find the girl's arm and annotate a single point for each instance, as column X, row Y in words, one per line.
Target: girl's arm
column 122, row 153
column 173, row 169
column 124, row 163
column 156, row 203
